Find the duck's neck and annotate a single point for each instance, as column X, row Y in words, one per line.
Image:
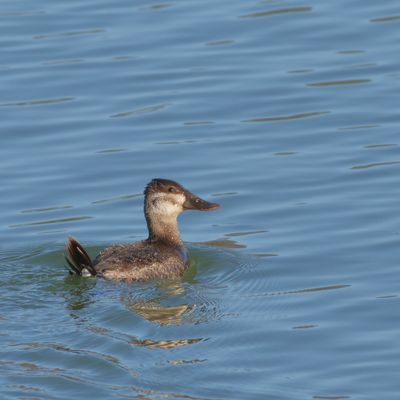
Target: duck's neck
column 163, row 228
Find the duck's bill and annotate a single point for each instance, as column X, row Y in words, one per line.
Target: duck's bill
column 193, row 202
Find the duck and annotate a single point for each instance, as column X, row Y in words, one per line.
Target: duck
column 163, row 255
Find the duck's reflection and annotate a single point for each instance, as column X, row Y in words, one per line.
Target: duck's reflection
column 145, row 301
column 165, row 344
column 78, row 294
column 164, row 303
column 152, row 309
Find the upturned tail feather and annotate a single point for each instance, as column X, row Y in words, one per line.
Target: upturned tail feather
column 79, row 262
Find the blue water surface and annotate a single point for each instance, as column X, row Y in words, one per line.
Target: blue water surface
column 284, row 112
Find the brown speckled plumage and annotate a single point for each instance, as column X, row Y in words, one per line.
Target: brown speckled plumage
column 162, row 255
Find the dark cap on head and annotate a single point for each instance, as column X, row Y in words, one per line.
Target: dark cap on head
column 192, row 202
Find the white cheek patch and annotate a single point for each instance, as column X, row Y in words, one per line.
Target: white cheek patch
column 163, row 204
column 166, row 208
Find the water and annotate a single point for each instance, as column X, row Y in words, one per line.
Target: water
column 286, row 113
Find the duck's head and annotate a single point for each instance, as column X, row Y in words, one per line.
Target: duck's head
column 167, row 198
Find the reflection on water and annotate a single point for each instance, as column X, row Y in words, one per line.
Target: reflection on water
column 77, row 292
column 154, row 312
column 165, row 344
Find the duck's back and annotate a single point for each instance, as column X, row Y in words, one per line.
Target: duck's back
column 141, row 261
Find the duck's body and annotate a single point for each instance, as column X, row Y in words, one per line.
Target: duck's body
column 141, row 261
column 163, row 255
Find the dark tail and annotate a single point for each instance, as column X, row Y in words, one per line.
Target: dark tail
column 78, row 260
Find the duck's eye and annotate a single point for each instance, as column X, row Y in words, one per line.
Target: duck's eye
column 172, row 190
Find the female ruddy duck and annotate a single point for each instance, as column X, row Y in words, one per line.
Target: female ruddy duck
column 161, row 255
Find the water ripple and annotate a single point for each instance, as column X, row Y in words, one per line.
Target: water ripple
column 386, row 19
column 111, row 151
column 65, row 62
column 22, row 13
column 340, row 83
column 45, row 209
column 28, row 103
column 62, row 348
column 51, row 221
column 177, row 142
column 247, row 233
column 164, row 344
column 71, row 33
column 123, row 197
column 301, row 291
column 288, row 117
column 377, row 164
column 158, row 7
column 380, row 146
column 223, row 243
column 220, row 42
column 193, row 123
column 277, row 12
column 140, row 111
column 358, row 127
